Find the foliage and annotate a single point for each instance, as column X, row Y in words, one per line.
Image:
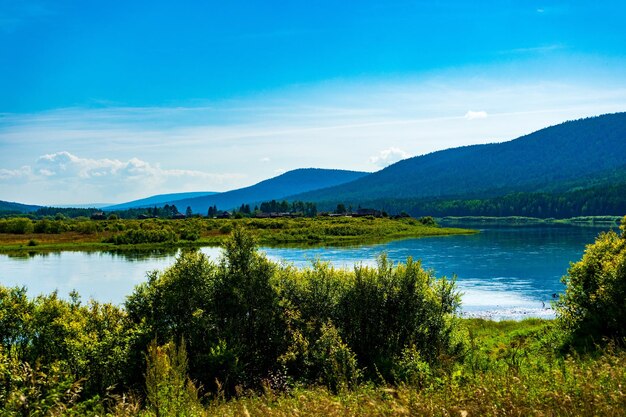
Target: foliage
column 90, row 342
column 169, row 392
column 382, row 340
column 194, row 232
column 17, row 225
column 594, row 306
column 139, row 236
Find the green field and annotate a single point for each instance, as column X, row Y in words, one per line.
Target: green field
column 22, row 234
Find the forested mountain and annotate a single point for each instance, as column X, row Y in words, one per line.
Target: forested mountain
column 292, row 182
column 157, row 200
column 573, row 154
column 10, row 207
column 601, row 200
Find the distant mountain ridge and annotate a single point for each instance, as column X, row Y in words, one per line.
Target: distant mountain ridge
column 561, row 160
column 549, row 159
column 156, row 200
column 292, row 182
column 12, row 207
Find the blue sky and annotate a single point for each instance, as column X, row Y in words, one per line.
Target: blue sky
column 109, row 101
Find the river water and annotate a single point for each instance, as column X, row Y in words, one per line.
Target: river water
column 504, row 273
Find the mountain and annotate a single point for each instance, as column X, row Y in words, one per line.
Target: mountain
column 289, row 183
column 555, row 159
column 11, row 207
column 84, row 206
column 157, row 200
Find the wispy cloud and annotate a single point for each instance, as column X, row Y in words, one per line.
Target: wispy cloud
column 540, row 49
column 16, row 174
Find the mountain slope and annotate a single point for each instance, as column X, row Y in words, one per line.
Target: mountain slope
column 292, row 182
column 11, row 207
column 157, row 200
column 542, row 160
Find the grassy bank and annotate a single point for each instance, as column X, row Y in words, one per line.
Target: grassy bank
column 82, row 234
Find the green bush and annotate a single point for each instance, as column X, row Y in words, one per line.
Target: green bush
column 169, row 391
column 593, row 306
column 138, row 236
column 18, row 226
column 189, row 234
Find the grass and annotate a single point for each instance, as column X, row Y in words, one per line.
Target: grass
column 535, row 383
column 94, row 235
column 511, row 371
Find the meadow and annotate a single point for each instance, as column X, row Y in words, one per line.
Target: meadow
column 20, row 234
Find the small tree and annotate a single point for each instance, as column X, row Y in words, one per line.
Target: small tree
column 594, row 304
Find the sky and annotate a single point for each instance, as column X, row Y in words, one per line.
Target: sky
column 105, row 102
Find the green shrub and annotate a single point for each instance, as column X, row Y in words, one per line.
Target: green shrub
column 337, row 366
column 227, row 228
column 189, row 234
column 18, row 226
column 138, row 236
column 169, row 391
column 593, row 305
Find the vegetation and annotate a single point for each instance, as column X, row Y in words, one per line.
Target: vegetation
column 82, row 233
column 594, row 304
column 556, row 159
column 257, row 338
column 592, row 201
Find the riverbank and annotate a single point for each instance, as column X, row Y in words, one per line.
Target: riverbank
column 583, row 221
column 25, row 235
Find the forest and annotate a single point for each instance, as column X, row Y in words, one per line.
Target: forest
column 600, row 200
column 253, row 337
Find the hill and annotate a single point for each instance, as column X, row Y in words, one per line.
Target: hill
column 11, row 207
column 157, row 200
column 289, row 183
column 570, row 155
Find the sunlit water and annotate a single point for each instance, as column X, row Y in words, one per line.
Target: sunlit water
column 502, row 272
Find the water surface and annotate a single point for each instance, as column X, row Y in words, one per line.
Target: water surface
column 503, row 272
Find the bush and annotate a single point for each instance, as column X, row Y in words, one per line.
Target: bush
column 18, row 226
column 137, row 236
column 169, row 390
column 189, row 234
column 593, row 305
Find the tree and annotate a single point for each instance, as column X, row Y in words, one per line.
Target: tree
column 188, row 212
column 593, row 306
column 341, row 209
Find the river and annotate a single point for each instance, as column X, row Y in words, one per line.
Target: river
column 503, row 273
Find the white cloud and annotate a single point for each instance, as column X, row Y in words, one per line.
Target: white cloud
column 389, row 156
column 265, row 159
column 66, row 165
column 74, row 179
column 15, row 174
column 472, row 115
